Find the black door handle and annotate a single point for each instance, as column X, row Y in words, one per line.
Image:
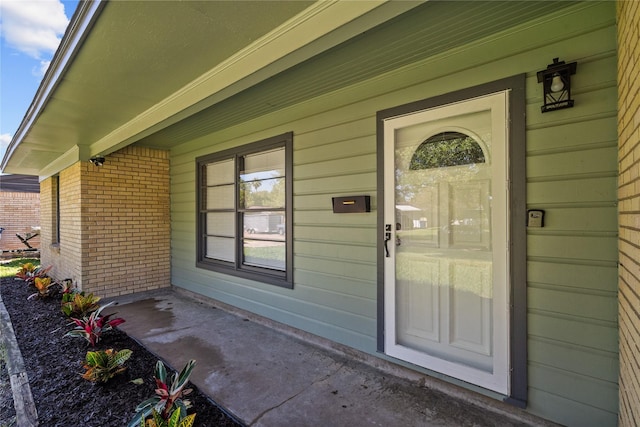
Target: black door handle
column 387, row 237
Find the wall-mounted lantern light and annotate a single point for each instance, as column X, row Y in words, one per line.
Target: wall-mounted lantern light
column 556, row 85
column 97, row 160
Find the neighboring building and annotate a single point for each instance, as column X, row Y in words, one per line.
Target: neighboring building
column 19, row 213
column 202, row 117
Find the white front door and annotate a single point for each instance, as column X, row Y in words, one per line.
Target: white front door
column 446, row 224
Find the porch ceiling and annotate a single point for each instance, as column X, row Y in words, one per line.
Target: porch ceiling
column 127, row 69
column 428, row 30
column 131, row 72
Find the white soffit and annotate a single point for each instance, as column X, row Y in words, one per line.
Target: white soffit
column 318, row 28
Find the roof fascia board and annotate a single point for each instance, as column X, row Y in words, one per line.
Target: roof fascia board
column 83, row 18
column 69, row 158
column 320, row 27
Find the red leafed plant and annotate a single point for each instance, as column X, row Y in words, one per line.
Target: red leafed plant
column 92, row 326
column 168, row 398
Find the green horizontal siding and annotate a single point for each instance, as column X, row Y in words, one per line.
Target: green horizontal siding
column 572, row 268
column 569, row 412
column 579, row 388
column 599, row 335
column 336, row 283
column 579, row 248
column 583, row 277
column 336, row 184
column 597, row 306
column 585, row 191
column 596, row 132
column 574, row 164
column 602, row 365
column 571, row 174
column 583, row 219
column 347, row 251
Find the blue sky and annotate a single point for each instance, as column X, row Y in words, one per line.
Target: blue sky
column 30, row 31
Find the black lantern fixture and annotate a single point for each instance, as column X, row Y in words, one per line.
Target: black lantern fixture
column 556, row 85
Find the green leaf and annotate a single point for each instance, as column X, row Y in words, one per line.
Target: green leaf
column 103, row 365
column 102, row 359
column 181, row 380
column 161, row 372
column 92, row 358
column 182, row 405
column 157, row 419
column 149, row 403
column 141, row 415
column 122, row 356
column 188, row 421
column 175, row 418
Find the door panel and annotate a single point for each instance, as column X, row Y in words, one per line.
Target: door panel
column 446, row 289
column 420, row 297
column 471, row 308
column 469, row 217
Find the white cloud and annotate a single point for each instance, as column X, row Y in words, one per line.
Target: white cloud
column 41, row 68
column 34, row 27
column 5, row 139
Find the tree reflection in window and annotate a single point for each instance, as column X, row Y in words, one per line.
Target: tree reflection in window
column 447, row 149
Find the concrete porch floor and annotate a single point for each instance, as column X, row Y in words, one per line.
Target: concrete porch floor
column 267, row 376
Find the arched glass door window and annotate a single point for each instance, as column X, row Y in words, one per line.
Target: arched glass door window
column 445, row 149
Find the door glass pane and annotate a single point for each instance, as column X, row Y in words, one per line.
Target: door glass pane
column 447, row 149
column 443, row 246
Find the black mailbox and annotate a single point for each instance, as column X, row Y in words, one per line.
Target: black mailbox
column 351, row 204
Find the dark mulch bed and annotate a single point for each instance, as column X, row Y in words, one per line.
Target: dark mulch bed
column 54, row 364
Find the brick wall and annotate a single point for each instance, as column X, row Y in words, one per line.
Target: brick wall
column 70, row 247
column 629, row 210
column 126, row 224
column 114, row 224
column 65, row 256
column 19, row 212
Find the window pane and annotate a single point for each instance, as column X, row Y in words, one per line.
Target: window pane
column 266, row 164
column 221, row 248
column 220, row 173
column 263, row 223
column 265, row 193
column 221, row 197
column 263, row 253
column 243, row 210
column 221, row 223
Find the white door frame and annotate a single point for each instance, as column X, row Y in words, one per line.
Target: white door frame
column 498, row 378
column 516, row 310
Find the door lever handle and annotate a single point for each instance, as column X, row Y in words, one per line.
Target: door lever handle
column 387, row 237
